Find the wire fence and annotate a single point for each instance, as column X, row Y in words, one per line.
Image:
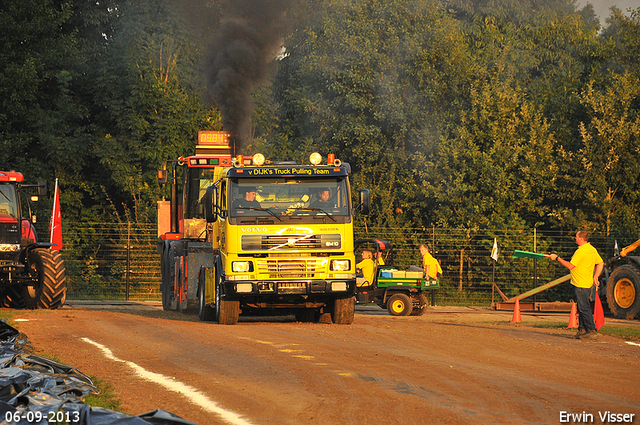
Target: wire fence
column 469, row 271
column 120, row 261
column 112, row 261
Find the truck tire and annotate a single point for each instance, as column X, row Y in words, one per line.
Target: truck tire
column 166, row 286
column 420, row 305
column 49, row 290
column 343, row 311
column 623, row 291
column 306, row 315
column 227, row 311
column 205, row 312
column 399, row 305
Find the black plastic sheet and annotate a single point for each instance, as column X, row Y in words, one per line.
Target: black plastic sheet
column 37, row 390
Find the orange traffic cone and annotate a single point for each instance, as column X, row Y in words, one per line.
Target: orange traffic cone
column 573, row 317
column 516, row 313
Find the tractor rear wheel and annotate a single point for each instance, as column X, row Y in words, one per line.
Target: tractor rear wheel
column 49, row 289
column 399, row 305
column 623, row 291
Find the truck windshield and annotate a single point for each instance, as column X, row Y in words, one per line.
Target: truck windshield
column 8, row 203
column 289, row 197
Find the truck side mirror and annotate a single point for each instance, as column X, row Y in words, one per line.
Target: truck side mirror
column 162, row 177
column 210, row 204
column 365, row 201
column 42, row 188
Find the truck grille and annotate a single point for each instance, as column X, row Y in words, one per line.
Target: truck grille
column 298, row 268
column 287, row 242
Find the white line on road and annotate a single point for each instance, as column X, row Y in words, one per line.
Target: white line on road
column 633, row 343
column 176, row 386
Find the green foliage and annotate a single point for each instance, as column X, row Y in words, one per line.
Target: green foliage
column 454, row 113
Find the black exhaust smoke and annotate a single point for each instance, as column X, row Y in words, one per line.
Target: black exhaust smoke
column 241, row 56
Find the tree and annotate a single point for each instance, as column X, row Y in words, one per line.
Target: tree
column 146, row 104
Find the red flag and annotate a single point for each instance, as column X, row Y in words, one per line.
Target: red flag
column 55, row 225
column 598, row 313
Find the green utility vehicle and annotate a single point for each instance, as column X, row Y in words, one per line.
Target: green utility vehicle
column 402, row 293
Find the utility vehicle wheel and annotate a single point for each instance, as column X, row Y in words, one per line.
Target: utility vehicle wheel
column 399, row 305
column 227, row 311
column 623, row 291
column 205, row 312
column 422, row 304
column 343, row 311
column 49, row 289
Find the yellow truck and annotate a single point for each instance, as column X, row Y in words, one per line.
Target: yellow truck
column 258, row 235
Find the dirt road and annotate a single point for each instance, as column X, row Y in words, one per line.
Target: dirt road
column 450, row 366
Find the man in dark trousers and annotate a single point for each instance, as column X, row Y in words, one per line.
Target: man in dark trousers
column 585, row 268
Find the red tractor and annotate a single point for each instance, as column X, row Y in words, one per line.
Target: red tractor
column 32, row 275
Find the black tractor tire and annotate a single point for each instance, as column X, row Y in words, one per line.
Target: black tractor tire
column 623, row 292
column 420, row 304
column 49, row 291
column 343, row 311
column 205, row 312
column 399, row 305
column 227, row 311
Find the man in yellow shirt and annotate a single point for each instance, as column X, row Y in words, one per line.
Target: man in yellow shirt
column 585, row 268
column 367, row 267
column 435, row 271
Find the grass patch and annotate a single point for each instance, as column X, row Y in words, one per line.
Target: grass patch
column 106, row 398
column 8, row 315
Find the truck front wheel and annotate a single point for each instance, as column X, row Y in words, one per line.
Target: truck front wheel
column 227, row 311
column 343, row 311
column 49, row 289
column 623, row 291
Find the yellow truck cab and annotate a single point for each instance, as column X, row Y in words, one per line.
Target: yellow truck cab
column 282, row 238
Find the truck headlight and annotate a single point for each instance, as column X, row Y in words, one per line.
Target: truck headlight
column 244, row 287
column 338, row 286
column 340, row 265
column 242, row 266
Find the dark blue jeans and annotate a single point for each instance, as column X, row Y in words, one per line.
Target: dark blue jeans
column 585, row 315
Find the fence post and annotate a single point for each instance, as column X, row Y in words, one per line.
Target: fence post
column 128, row 259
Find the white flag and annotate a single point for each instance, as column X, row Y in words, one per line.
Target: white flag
column 494, row 250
